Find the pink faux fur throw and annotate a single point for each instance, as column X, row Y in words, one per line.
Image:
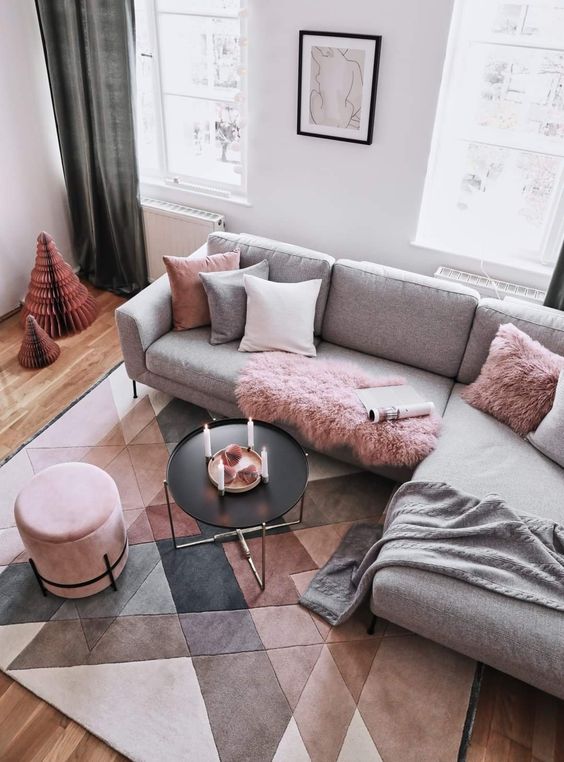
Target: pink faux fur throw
column 318, row 398
column 517, row 382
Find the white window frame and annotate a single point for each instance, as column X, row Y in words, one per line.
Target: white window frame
column 446, row 130
column 160, row 175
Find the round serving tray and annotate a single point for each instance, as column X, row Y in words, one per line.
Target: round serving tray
column 249, row 458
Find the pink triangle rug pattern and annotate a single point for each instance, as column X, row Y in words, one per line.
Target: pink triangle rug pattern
column 189, row 659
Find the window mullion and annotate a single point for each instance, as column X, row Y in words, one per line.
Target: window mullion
column 157, row 78
column 201, row 14
column 199, row 97
column 524, row 44
column 209, row 52
column 516, row 145
column 523, row 18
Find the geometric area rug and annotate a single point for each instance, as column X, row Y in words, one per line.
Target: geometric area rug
column 189, row 659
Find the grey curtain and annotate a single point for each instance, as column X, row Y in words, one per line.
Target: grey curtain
column 555, row 293
column 89, row 49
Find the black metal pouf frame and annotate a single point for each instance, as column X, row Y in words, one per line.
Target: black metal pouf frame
column 42, row 581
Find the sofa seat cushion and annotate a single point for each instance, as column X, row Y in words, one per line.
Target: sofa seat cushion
column 432, row 387
column 480, row 455
column 189, row 359
column 521, row 638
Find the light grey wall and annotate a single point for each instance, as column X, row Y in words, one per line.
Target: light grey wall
column 32, row 190
column 354, row 201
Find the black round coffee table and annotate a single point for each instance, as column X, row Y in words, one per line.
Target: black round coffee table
column 188, row 483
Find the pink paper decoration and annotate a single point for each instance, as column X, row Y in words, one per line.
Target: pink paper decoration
column 56, row 298
column 38, row 349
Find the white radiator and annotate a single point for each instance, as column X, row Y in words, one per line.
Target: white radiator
column 502, row 289
column 174, row 230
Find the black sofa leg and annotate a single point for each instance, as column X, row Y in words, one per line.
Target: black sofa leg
column 134, row 389
column 372, row 625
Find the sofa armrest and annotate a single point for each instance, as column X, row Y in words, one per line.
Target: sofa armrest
column 141, row 321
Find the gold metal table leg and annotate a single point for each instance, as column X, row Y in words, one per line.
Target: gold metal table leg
column 236, row 533
column 261, row 579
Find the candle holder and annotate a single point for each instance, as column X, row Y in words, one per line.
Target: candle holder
column 250, row 459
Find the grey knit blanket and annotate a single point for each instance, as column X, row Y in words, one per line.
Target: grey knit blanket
column 434, row 527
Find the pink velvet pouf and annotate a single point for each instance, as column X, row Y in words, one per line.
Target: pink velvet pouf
column 71, row 522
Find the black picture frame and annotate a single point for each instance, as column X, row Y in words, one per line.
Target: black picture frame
column 377, row 40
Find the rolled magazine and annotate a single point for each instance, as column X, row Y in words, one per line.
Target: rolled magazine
column 392, row 403
column 405, row 411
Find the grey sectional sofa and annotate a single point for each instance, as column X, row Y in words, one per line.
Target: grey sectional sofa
column 437, row 335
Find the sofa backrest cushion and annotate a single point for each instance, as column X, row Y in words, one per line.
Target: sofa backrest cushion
column 288, row 263
column 413, row 319
column 541, row 323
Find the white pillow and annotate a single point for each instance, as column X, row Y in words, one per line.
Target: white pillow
column 280, row 316
column 549, row 436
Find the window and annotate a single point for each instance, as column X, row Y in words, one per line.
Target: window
column 190, row 93
column 495, row 182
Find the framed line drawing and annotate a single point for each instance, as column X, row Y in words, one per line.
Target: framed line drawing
column 337, row 78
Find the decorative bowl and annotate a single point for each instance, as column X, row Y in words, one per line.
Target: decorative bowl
column 249, row 459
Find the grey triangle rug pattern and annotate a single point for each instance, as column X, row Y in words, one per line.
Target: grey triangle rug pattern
column 189, row 659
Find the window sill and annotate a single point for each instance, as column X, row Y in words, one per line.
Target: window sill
column 183, row 194
column 535, row 271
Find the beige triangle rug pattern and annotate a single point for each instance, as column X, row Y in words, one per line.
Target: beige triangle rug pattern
column 189, row 659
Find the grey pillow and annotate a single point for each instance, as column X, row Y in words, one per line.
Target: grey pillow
column 227, row 300
column 549, row 436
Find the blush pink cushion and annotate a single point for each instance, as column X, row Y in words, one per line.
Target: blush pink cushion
column 189, row 301
column 69, row 516
column 517, row 382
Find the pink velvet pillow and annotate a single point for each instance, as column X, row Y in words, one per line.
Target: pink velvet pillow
column 189, row 301
column 517, row 382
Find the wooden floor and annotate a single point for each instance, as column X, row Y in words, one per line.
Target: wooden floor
column 31, row 398
column 33, row 731
column 514, row 722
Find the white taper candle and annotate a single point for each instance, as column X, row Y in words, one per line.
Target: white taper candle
column 250, row 433
column 221, row 477
column 207, row 442
column 264, row 458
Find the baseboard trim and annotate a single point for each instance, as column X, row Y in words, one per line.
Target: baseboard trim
column 10, row 314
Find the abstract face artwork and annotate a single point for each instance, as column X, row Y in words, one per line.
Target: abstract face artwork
column 337, row 85
column 336, row 94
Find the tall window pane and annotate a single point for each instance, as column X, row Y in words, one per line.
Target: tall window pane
column 495, row 183
column 190, row 92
